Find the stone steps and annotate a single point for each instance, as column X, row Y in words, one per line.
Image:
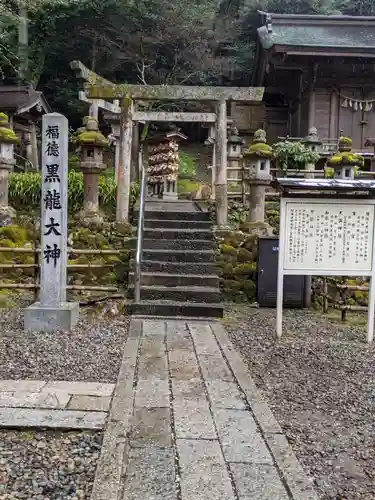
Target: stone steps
column 172, row 309
column 178, row 234
column 177, row 280
column 178, row 271
column 176, row 224
column 183, row 256
column 171, row 245
column 175, row 215
column 180, row 293
column 193, row 267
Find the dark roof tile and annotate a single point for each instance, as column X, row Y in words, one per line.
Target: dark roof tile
column 319, row 32
column 17, row 99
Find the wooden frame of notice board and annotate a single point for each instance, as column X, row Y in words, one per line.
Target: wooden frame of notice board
column 327, row 229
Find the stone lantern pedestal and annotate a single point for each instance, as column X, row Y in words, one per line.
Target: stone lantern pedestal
column 7, row 140
column 313, row 142
column 91, row 142
column 235, row 143
column 257, row 162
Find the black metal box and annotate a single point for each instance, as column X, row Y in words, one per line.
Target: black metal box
column 294, row 286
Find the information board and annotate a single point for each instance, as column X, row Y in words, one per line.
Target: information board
column 330, row 236
column 327, row 237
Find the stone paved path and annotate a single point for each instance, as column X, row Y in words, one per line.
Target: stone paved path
column 188, row 423
column 57, row 404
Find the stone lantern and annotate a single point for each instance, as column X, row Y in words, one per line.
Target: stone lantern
column 257, row 163
column 345, row 163
column 7, row 141
column 91, row 143
column 234, row 153
column 313, row 142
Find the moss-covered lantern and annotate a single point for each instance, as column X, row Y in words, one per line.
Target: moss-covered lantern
column 345, row 163
column 257, row 159
column 257, row 163
column 7, row 141
column 91, row 145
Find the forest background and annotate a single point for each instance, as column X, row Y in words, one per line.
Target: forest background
column 186, row 42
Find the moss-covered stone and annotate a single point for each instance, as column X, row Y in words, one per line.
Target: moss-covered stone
column 237, row 264
column 259, row 147
column 231, row 285
column 346, row 158
column 227, row 270
column 251, row 244
column 244, row 269
column 4, row 119
column 345, row 155
column 115, row 267
column 344, row 143
column 92, row 137
column 16, row 234
column 123, row 228
column 8, row 299
column 6, row 133
column 85, row 238
column 250, row 288
column 187, row 188
column 90, row 134
column 258, row 228
column 233, row 238
column 273, row 218
column 245, row 255
column 228, row 249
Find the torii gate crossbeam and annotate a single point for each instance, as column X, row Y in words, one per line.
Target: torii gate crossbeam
column 100, row 88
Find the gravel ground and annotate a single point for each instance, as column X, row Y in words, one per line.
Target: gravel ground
column 48, row 465
column 91, row 352
column 319, row 381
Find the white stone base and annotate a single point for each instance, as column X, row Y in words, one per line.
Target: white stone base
column 40, row 318
column 170, row 196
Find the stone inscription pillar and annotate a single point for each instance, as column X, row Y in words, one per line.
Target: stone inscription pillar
column 53, row 312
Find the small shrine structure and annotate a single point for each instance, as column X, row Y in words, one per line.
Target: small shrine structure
column 163, row 164
column 25, row 108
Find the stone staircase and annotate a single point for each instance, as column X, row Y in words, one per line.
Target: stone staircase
column 178, row 271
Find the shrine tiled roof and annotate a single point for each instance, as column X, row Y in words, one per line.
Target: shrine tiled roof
column 330, row 32
column 20, row 99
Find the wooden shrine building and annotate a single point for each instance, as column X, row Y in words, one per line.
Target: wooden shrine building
column 317, row 71
column 25, row 108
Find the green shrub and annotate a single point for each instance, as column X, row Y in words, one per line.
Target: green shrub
column 187, row 166
column 228, row 249
column 15, row 234
column 187, row 187
column 25, row 191
column 73, row 161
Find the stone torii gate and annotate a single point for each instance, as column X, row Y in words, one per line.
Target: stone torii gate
column 98, row 89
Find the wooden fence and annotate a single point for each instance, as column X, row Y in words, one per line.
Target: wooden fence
column 36, row 252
